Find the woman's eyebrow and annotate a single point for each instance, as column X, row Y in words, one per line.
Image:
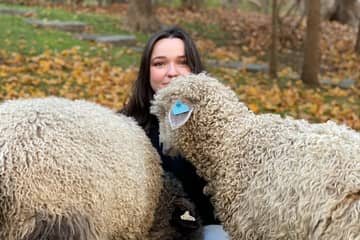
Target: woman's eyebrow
column 164, row 57
column 158, row 57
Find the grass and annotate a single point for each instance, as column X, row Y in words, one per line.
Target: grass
column 208, row 31
column 100, row 24
column 19, row 36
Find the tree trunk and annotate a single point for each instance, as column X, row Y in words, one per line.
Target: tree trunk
column 273, row 47
column 357, row 45
column 311, row 65
column 140, row 17
column 343, row 11
column 348, row 12
column 192, row 4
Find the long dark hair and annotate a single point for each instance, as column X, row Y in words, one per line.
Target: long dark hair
column 138, row 105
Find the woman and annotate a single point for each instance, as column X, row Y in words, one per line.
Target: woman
column 168, row 54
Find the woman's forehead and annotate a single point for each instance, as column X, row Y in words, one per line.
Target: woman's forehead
column 168, row 47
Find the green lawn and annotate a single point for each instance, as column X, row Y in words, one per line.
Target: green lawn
column 19, row 36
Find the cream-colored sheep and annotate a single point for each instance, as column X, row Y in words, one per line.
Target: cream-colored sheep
column 269, row 177
column 73, row 170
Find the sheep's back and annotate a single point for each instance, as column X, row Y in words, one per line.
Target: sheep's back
column 306, row 171
column 57, row 155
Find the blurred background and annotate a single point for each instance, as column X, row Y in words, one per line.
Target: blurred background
column 293, row 57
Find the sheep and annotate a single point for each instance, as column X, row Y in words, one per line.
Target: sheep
column 75, row 170
column 177, row 209
column 269, row 177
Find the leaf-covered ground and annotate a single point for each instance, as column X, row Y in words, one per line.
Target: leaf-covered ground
column 67, row 74
column 104, row 74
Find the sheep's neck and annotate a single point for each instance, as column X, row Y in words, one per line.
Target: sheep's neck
column 210, row 147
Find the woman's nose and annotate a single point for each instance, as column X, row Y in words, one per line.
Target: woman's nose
column 172, row 70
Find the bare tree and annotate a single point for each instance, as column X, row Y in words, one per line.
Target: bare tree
column 311, row 65
column 343, row 11
column 140, row 17
column 357, row 45
column 274, row 38
column 347, row 12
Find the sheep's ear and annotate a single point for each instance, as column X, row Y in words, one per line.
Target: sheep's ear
column 179, row 114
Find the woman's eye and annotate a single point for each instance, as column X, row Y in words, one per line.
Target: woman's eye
column 159, row 64
column 183, row 62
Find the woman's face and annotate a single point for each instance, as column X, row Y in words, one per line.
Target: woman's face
column 167, row 61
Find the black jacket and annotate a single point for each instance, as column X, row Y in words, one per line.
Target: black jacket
column 186, row 173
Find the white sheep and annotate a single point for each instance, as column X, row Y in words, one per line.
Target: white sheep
column 269, row 177
column 73, row 170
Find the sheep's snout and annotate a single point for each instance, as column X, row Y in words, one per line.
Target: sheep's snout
column 167, row 149
column 185, row 217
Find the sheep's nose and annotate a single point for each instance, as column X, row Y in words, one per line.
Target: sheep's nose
column 165, row 148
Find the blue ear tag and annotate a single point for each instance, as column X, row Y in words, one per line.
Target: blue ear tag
column 179, row 108
column 179, row 114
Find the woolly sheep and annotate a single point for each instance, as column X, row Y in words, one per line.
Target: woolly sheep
column 269, row 177
column 75, row 170
column 175, row 208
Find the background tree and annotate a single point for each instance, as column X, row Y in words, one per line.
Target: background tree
column 140, row 17
column 311, row 64
column 347, row 12
column 274, row 39
column 357, row 45
column 343, row 11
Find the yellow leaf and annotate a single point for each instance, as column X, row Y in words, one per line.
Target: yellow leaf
column 3, row 74
column 248, row 60
column 338, row 92
column 254, row 107
column 44, row 66
column 252, row 91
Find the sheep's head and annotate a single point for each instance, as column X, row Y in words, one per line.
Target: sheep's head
column 173, row 110
column 176, row 213
column 185, row 105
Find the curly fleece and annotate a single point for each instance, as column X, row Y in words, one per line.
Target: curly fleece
column 77, row 167
column 269, row 177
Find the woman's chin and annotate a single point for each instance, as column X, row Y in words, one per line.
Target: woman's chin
column 164, row 85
